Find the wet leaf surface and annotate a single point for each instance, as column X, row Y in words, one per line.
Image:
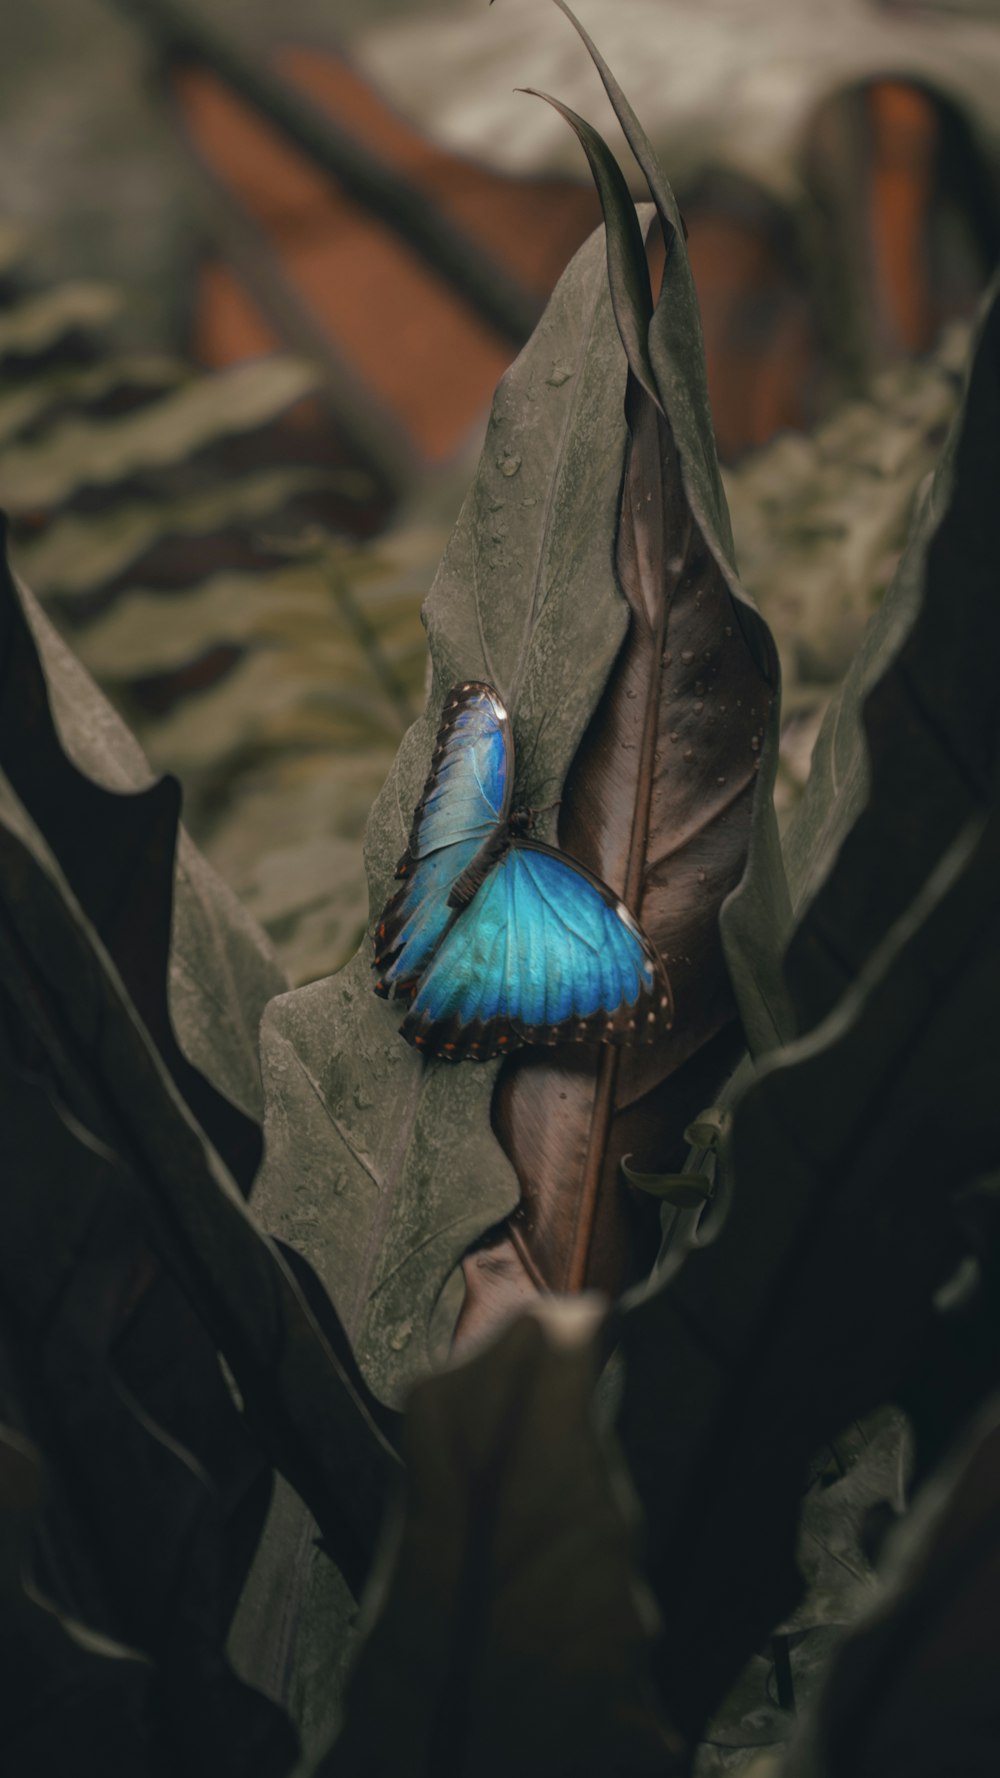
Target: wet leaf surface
column 386, row 1163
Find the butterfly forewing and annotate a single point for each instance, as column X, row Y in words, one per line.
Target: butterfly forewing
column 545, row 952
column 465, row 799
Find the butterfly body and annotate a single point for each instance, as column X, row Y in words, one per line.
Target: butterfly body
column 495, row 938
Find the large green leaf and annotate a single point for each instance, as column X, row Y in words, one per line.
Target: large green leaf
column 391, row 1158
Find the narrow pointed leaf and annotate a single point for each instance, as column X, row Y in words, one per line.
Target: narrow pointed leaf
column 755, row 919
column 628, row 272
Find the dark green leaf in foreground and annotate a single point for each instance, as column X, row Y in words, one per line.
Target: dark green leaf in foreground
column 809, row 1307
column 849, row 1149
column 299, row 1394
column 507, row 1631
column 72, row 1701
column 221, row 969
column 157, row 1494
column 117, row 852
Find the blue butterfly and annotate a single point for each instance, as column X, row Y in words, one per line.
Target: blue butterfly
column 496, row 939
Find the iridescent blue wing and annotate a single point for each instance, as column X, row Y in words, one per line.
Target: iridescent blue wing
column 465, row 799
column 544, row 952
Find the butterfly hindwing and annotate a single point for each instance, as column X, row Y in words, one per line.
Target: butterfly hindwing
column 544, row 952
column 465, row 799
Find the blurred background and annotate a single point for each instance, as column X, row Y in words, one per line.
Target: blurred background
column 261, row 268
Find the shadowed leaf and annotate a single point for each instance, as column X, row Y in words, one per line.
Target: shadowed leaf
column 118, row 853
column 506, row 1622
column 910, row 1690
column 299, row 1391
column 72, row 1700
column 158, row 1494
column 794, row 1322
column 221, row 971
column 815, row 1303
